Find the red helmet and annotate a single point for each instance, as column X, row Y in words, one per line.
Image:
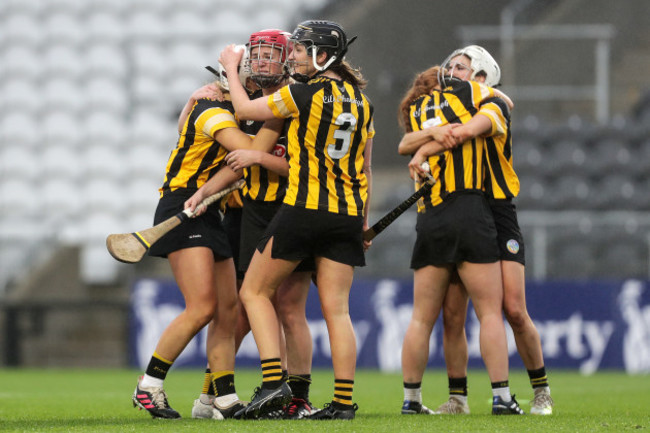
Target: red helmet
column 277, row 40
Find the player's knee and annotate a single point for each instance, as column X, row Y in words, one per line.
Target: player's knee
column 518, row 318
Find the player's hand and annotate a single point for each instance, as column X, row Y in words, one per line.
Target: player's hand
column 415, row 167
column 231, row 56
column 193, row 203
column 242, row 158
column 443, row 135
column 209, row 91
column 366, row 244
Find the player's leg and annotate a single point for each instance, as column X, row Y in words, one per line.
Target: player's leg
column 484, row 286
column 430, row 285
column 193, row 271
column 291, row 301
column 221, row 341
column 334, row 281
column 526, row 336
column 264, row 276
column 454, row 313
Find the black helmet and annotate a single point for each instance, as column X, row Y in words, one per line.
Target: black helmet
column 323, row 35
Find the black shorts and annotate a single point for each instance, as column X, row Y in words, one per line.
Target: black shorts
column 509, row 237
column 232, row 225
column 256, row 217
column 460, row 229
column 300, row 234
column 203, row 231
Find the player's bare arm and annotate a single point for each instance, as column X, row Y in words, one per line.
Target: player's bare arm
column 221, row 180
column 245, row 108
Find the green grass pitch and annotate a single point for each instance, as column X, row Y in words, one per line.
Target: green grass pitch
column 100, row 401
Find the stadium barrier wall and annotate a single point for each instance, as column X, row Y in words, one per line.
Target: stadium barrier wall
column 584, row 325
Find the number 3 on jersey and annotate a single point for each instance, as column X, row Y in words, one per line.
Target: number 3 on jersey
column 347, row 122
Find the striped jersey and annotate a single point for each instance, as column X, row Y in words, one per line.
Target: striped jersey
column 262, row 184
column 331, row 120
column 460, row 168
column 501, row 181
column 198, row 155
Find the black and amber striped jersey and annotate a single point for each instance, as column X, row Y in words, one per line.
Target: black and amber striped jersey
column 462, row 167
column 501, row 181
column 331, row 121
column 262, row 184
column 198, row 155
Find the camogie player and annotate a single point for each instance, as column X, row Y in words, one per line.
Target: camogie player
column 266, row 180
column 501, row 186
column 455, row 233
column 324, row 211
column 199, row 254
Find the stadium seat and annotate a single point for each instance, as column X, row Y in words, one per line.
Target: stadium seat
column 146, row 91
column 16, row 7
column 62, row 198
column 614, row 192
column 97, row 266
column 23, row 62
column 147, row 24
column 147, row 162
column 61, row 60
column 19, row 197
column 22, row 29
column 20, row 163
column 570, row 253
column 232, row 26
column 187, row 57
column 62, row 161
column 142, row 194
column 148, row 60
column 17, row 129
column 64, row 93
column 620, row 252
column 71, row 8
column 105, row 128
column 527, row 155
column 104, row 195
column 21, row 94
column 532, row 193
column 103, row 93
column 118, row 8
column 189, row 25
column 105, row 27
column 639, row 164
column 107, row 60
column 63, row 128
column 608, row 155
column 104, row 160
column 150, row 129
column 64, row 28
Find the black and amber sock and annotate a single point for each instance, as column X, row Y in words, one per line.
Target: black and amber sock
column 458, row 386
column 343, row 394
column 538, row 378
column 299, row 384
column 271, row 373
column 223, row 382
column 158, row 367
column 207, row 388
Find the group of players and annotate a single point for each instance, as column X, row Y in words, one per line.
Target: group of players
column 288, row 114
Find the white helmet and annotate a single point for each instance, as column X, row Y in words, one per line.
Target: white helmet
column 481, row 61
column 243, row 69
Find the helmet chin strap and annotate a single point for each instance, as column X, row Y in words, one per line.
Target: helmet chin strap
column 314, row 53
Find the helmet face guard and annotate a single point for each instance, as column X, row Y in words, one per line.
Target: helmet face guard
column 320, row 35
column 268, row 49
